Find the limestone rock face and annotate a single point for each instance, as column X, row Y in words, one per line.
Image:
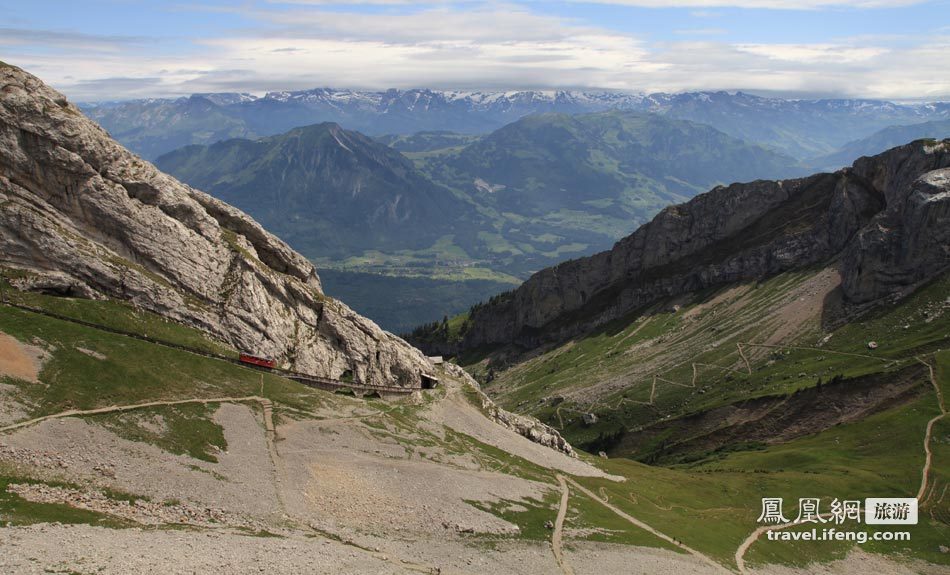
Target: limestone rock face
column 91, row 219
column 886, row 218
column 908, row 241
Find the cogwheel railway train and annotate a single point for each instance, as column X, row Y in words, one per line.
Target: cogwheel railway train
column 256, row 361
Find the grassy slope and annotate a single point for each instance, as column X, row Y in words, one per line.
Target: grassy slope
column 660, row 341
column 135, row 372
column 717, row 499
column 117, row 315
column 713, row 507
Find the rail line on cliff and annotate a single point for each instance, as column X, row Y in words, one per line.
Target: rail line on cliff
column 310, row 380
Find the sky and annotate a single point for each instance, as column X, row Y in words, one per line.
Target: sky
column 120, row 49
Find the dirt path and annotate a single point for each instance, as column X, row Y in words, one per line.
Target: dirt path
column 695, row 365
column 928, row 459
column 266, row 405
column 268, row 422
column 705, row 558
column 748, row 365
column 459, row 414
column 821, row 349
column 275, row 458
column 744, row 547
column 924, row 472
column 559, row 528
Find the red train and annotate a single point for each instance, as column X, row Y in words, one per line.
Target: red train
column 257, row 361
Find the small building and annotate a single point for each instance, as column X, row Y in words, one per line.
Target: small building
column 589, row 419
column 436, row 359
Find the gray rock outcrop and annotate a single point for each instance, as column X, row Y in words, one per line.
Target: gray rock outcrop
column 909, row 241
column 87, row 218
column 886, row 218
column 524, row 425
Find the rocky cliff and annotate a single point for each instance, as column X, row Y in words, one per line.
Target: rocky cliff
column 887, row 218
column 85, row 217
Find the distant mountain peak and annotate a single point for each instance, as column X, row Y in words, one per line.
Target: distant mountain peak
column 803, row 128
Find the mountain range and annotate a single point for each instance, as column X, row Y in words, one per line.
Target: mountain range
column 721, row 319
column 83, row 217
column 882, row 220
column 882, row 140
column 329, row 192
column 799, row 128
column 493, row 207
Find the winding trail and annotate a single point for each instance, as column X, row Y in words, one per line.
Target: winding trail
column 276, row 460
column 928, row 459
column 695, row 377
column 703, row 557
column 559, row 528
column 754, row 536
column 266, row 403
column 924, row 472
column 748, row 365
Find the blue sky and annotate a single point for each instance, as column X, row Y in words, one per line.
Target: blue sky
column 116, row 49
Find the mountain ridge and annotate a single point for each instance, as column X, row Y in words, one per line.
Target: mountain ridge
column 82, row 216
column 801, row 128
column 886, row 215
column 328, row 191
column 883, row 140
column 515, row 200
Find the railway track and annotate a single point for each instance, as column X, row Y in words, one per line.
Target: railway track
column 310, row 380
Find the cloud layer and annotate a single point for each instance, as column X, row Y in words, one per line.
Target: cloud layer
column 478, row 46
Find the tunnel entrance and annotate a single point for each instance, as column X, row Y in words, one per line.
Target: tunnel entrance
column 429, row 381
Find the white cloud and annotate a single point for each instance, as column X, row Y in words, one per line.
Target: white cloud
column 751, row 4
column 813, row 53
column 760, row 4
column 498, row 47
column 701, row 32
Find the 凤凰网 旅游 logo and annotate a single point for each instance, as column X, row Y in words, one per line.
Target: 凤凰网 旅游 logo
column 872, row 511
column 890, row 511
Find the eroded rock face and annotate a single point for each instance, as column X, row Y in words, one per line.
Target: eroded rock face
column 90, row 218
column 907, row 242
column 887, row 215
column 524, row 425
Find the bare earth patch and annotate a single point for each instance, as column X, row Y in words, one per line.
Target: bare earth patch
column 19, row 360
column 456, row 412
column 139, row 511
column 857, row 563
column 77, row 449
column 804, row 304
column 345, row 475
column 91, row 353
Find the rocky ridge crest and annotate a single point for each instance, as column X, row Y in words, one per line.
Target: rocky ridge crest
column 886, row 220
column 85, row 217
